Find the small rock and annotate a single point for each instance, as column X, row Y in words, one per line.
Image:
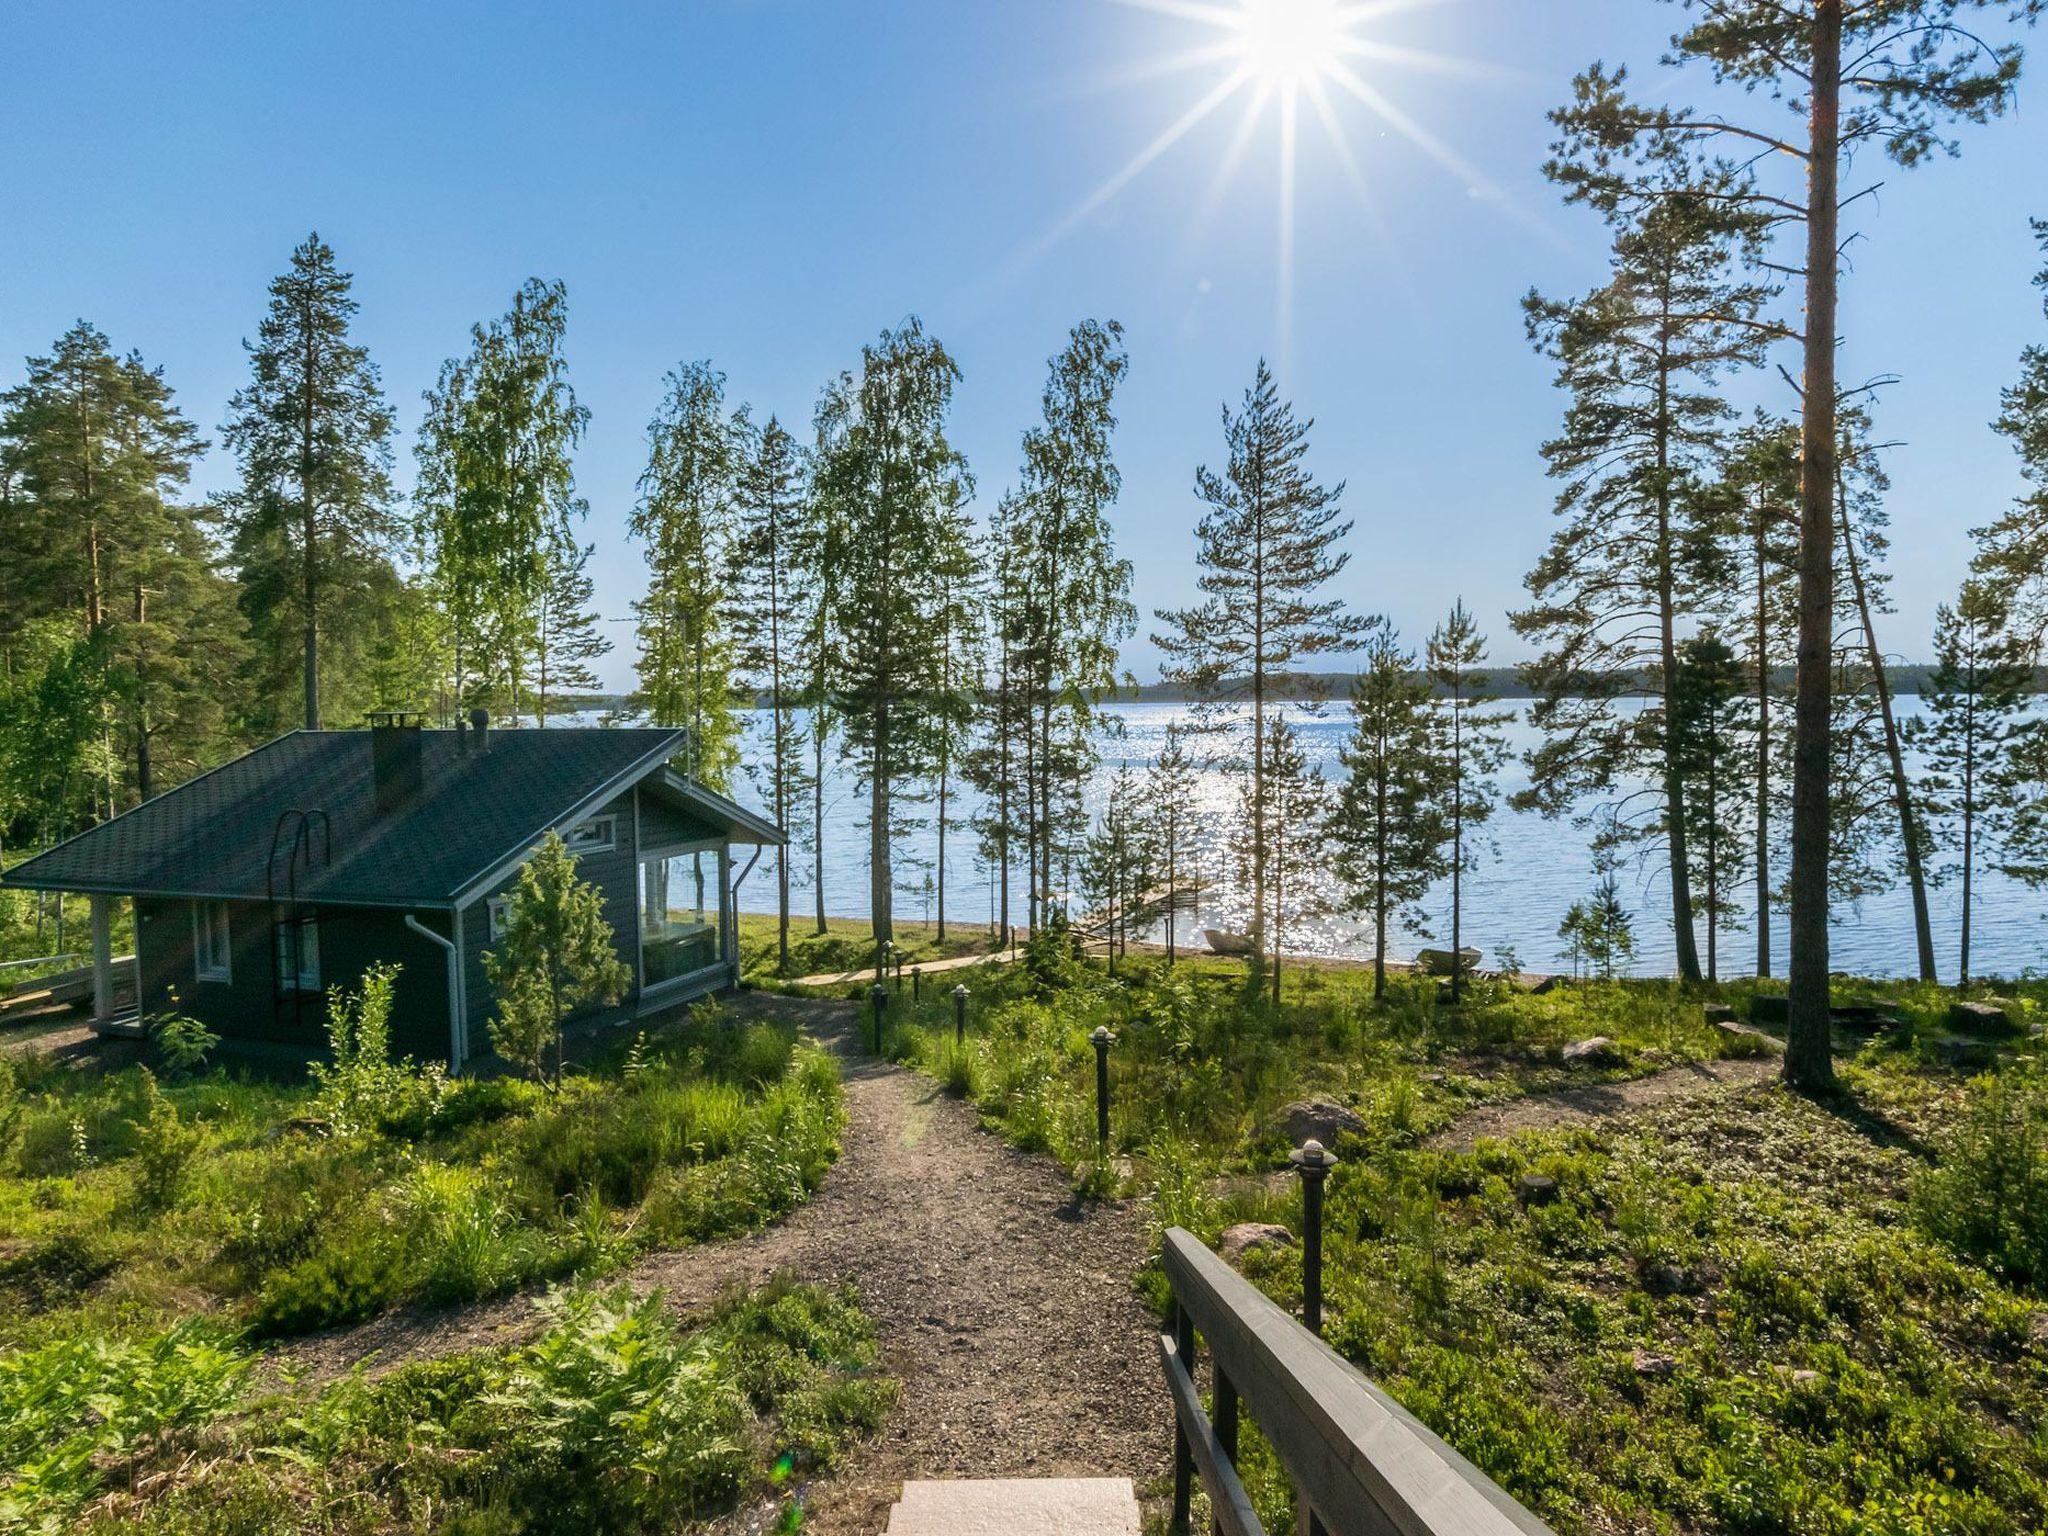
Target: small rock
column 2037, row 1330
column 1648, row 1363
column 1548, row 985
column 1798, row 1378
column 1989, row 1016
column 1536, row 1189
column 1965, row 1053
column 1319, row 1120
column 1597, row 1051
column 1719, row 1013
column 1252, row 1237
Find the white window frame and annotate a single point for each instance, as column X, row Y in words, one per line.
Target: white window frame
column 721, row 874
column 298, row 982
column 500, row 910
column 599, row 834
column 213, row 954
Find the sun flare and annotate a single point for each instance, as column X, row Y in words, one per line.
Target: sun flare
column 1290, row 42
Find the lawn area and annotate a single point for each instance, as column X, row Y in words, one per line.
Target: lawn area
column 847, row 944
column 1747, row 1312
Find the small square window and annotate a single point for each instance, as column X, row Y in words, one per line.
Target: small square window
column 501, row 917
column 600, row 834
column 212, row 951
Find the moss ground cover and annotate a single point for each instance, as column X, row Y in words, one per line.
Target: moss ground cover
column 130, row 1202
column 1746, row 1313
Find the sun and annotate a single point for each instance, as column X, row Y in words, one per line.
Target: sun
column 1291, row 42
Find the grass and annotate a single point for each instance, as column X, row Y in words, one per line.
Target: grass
column 1751, row 1313
column 846, row 945
column 616, row 1418
column 129, row 1204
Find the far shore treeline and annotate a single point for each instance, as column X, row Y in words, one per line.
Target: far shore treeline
column 1710, row 676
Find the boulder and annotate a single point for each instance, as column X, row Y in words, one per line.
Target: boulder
column 1548, row 985
column 1598, row 1051
column 1766, row 1008
column 1719, row 1013
column 1991, row 1016
column 1965, row 1052
column 1318, row 1120
column 1796, row 1377
column 1252, row 1237
column 1649, row 1363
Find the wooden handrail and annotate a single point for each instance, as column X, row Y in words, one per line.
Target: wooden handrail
column 1362, row 1465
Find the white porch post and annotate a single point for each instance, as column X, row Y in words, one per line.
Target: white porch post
column 102, row 959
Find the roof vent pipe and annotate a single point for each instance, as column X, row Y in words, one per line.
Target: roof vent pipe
column 480, row 722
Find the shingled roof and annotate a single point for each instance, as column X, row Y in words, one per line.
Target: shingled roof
column 475, row 808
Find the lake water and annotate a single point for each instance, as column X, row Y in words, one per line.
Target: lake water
column 1515, row 898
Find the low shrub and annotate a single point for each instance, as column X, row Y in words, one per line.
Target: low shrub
column 1988, row 1195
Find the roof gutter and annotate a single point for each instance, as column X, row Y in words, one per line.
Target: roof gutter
column 454, row 988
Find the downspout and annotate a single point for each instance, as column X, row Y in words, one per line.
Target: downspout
column 454, row 988
column 732, row 911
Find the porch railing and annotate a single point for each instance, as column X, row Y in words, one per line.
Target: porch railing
column 1361, row 1464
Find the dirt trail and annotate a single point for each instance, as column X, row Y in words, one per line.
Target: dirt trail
column 1591, row 1102
column 1006, row 1310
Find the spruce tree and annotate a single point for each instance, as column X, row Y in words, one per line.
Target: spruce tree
column 1386, row 848
column 773, row 589
column 1966, row 739
column 2013, row 551
column 1468, row 745
column 1709, row 731
column 1268, row 550
column 313, row 522
column 1298, row 803
column 685, row 516
column 1888, row 73
column 1171, row 828
column 1638, row 554
column 558, row 957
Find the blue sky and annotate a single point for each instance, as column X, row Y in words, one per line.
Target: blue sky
column 768, row 183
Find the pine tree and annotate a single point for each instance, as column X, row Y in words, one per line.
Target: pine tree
column 1298, row 801
column 313, row 522
column 1708, row 730
column 558, row 956
column 2013, row 552
column 894, row 485
column 566, row 638
column 1386, row 844
column 994, row 764
column 1469, row 744
column 1170, row 827
column 1966, row 738
column 1853, row 72
column 1268, row 547
column 685, row 515
column 773, row 590
column 956, row 666
column 1638, row 555
column 94, row 451
column 1117, row 863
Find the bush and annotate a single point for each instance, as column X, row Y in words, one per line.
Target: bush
column 182, row 1044
column 362, row 1089
column 1989, row 1194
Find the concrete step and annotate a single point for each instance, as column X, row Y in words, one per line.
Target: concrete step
column 1017, row 1506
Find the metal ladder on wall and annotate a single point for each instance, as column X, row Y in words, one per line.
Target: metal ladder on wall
column 290, row 917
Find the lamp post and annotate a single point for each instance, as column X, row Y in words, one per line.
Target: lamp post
column 878, row 995
column 1103, row 1041
column 960, row 1013
column 1314, row 1165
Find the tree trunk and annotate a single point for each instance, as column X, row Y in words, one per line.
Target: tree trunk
column 1902, row 791
column 308, row 531
column 1809, row 1064
column 1763, row 759
column 881, row 885
column 1674, row 780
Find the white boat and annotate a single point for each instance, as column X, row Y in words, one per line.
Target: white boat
column 1437, row 962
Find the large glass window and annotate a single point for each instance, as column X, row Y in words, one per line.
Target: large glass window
column 682, row 913
column 298, row 955
column 212, row 954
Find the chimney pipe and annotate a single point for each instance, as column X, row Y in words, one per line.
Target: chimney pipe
column 395, row 753
column 480, row 722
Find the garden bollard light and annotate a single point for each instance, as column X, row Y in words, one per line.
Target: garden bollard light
column 1103, row 1040
column 916, row 983
column 1314, row 1165
column 879, row 996
column 900, row 957
column 960, row 1013
column 882, row 961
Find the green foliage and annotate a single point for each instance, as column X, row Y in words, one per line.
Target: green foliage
column 164, row 1146
column 181, row 1043
column 360, row 1089
column 559, row 955
column 1988, row 1195
column 83, row 1406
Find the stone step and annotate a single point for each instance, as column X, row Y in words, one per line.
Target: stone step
column 1017, row 1506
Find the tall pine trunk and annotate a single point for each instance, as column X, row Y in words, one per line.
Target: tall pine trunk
column 1763, row 757
column 881, row 883
column 1809, row 1063
column 309, row 532
column 1674, row 779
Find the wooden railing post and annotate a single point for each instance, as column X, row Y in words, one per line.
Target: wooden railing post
column 1224, row 1417
column 1183, row 1453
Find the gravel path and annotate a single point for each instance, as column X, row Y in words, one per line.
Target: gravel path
column 1006, row 1310
column 1593, row 1102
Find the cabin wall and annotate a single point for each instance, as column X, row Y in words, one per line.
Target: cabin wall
column 352, row 939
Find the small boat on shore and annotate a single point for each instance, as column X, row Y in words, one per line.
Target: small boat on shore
column 1229, row 943
column 1437, row 962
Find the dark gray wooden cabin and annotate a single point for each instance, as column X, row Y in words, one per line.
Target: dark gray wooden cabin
column 298, row 866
